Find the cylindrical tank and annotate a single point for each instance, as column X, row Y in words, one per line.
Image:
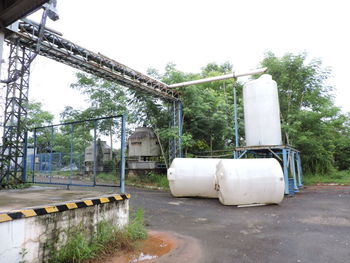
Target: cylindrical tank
column 262, row 112
column 250, row 181
column 193, row 177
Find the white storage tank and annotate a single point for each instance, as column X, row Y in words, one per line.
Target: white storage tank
column 193, row 177
column 250, row 181
column 262, row 112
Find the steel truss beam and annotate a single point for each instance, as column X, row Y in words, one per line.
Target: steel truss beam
column 57, row 48
column 30, row 38
column 14, row 138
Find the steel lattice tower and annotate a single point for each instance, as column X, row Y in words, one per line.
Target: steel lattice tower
column 14, row 137
column 176, row 123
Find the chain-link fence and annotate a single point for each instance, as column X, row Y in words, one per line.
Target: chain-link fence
column 83, row 153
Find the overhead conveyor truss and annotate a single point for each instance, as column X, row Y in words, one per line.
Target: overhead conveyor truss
column 27, row 37
column 57, row 48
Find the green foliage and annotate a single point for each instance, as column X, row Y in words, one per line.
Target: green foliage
column 135, row 230
column 108, row 177
column 336, row 177
column 15, row 185
column 150, row 179
column 76, row 249
column 37, row 116
column 310, row 121
column 105, row 240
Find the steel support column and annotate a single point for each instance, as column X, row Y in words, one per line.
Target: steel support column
column 300, row 176
column 175, row 144
column 122, row 155
column 12, row 152
column 285, row 171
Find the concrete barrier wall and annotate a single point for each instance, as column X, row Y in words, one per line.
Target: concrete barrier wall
column 30, row 235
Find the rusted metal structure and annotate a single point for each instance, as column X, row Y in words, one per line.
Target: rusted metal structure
column 28, row 39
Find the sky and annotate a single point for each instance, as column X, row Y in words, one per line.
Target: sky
column 191, row 34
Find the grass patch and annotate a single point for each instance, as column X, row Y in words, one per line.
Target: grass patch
column 106, row 240
column 337, row 177
column 150, row 179
column 15, row 186
column 110, row 177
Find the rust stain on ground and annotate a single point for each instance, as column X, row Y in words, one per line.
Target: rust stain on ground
column 161, row 247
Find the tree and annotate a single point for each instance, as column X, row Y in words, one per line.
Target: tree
column 310, row 121
column 106, row 99
column 36, row 116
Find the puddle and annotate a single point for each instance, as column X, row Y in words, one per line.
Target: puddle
column 155, row 246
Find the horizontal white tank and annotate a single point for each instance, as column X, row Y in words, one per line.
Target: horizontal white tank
column 262, row 112
column 250, row 181
column 193, row 177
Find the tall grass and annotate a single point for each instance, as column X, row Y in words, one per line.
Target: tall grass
column 337, row 177
column 150, row 179
column 105, row 240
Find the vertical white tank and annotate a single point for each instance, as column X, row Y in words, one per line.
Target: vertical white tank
column 193, row 177
column 250, row 181
column 262, row 112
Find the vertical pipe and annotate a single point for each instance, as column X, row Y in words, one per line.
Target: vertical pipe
column 95, row 152
column 285, row 171
column 122, row 157
column 293, row 170
column 34, row 157
column 24, row 161
column 50, row 163
column 71, row 154
column 180, row 128
column 60, row 160
column 235, row 118
column 300, row 176
column 174, row 125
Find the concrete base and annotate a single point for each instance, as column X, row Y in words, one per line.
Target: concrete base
column 31, row 234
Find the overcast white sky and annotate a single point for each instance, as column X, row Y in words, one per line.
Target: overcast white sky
column 191, row 33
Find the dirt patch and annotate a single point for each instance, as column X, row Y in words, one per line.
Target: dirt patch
column 161, row 247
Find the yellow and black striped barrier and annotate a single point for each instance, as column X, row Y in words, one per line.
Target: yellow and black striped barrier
column 4, row 217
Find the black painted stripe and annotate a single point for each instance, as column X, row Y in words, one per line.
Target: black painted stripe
column 81, row 204
column 16, row 215
column 40, row 211
column 62, row 208
column 96, row 201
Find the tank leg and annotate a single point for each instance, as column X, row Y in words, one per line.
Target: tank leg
column 300, row 182
column 293, row 170
column 285, row 171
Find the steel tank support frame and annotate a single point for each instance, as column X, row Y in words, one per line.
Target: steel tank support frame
column 288, row 157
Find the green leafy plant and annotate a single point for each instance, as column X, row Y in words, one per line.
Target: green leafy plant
column 107, row 239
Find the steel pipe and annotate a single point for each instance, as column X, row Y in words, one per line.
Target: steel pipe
column 223, row 77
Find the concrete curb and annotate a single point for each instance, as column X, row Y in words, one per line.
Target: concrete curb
column 39, row 211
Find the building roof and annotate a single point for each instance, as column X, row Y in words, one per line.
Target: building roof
column 141, row 133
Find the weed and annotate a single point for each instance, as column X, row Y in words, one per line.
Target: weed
column 105, row 240
column 23, row 254
column 338, row 177
column 15, row 186
column 107, row 176
column 158, row 180
column 136, row 227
